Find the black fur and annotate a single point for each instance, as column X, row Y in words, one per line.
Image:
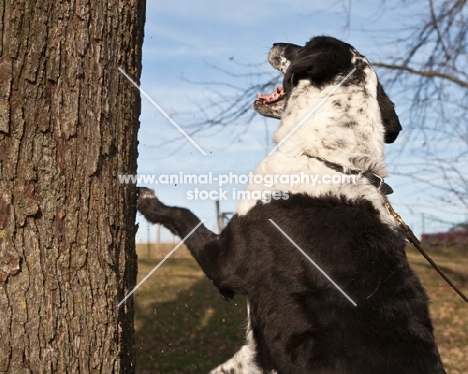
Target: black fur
column 301, row 323
column 324, row 58
column 389, row 118
column 320, row 60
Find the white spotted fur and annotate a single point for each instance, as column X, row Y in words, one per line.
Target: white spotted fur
column 360, row 147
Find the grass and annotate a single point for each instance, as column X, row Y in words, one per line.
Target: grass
column 183, row 326
column 448, row 311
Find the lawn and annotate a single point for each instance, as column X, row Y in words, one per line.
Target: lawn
column 183, row 326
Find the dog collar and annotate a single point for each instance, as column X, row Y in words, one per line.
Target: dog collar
column 374, row 179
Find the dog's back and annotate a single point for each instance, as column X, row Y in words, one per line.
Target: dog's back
column 303, row 324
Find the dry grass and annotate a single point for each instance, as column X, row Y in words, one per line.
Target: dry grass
column 183, row 326
column 448, row 311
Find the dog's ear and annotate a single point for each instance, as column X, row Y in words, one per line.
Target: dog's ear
column 389, row 117
column 321, row 60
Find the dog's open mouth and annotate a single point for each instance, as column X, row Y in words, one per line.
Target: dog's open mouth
column 271, row 105
column 271, row 98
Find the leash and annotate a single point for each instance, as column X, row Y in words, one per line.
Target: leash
column 385, row 189
column 415, row 241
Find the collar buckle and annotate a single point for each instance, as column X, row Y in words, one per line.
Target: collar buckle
column 378, row 182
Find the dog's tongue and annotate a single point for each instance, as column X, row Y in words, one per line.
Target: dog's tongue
column 275, row 96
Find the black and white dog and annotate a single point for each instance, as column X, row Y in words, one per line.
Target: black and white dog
column 373, row 318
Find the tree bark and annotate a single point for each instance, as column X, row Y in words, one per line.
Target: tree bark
column 68, row 127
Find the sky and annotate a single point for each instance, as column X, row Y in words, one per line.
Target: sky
column 197, row 54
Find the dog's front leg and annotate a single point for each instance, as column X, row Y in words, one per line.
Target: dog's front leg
column 215, row 255
column 244, row 360
column 205, row 246
column 179, row 221
column 241, row 363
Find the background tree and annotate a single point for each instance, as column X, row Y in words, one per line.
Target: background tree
column 68, row 126
column 426, row 72
column 430, row 68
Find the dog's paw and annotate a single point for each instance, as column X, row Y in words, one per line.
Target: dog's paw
column 146, row 193
column 147, row 200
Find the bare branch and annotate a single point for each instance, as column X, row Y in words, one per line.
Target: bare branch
column 423, row 73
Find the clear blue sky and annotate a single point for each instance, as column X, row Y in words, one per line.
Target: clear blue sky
column 185, row 39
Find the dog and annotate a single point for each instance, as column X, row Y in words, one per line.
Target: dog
column 325, row 272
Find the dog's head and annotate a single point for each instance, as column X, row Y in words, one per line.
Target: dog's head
column 323, row 62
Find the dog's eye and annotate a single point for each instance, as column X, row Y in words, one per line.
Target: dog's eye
column 293, row 80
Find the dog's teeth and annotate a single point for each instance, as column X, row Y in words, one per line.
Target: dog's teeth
column 259, row 95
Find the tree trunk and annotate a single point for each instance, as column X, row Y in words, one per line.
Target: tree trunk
column 68, row 127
